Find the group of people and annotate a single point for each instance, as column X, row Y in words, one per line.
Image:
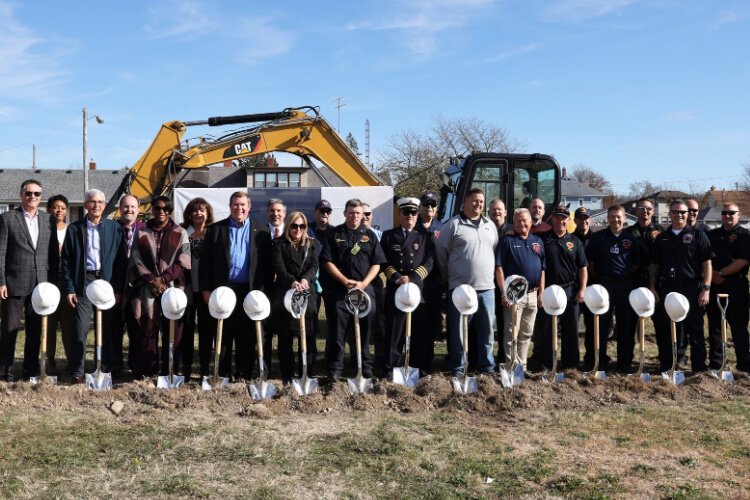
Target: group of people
column 325, row 262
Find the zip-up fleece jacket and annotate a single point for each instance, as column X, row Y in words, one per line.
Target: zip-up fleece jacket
column 466, row 252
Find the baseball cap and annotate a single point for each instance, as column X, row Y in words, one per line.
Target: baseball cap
column 582, row 213
column 561, row 210
column 428, row 197
column 322, row 204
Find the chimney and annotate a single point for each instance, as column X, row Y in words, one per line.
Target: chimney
column 564, row 172
column 92, row 165
column 228, row 163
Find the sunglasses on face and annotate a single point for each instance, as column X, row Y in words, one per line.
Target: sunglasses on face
column 160, row 209
column 645, row 209
column 295, row 227
column 679, row 212
column 728, row 212
column 693, row 210
column 35, row 194
column 326, row 211
column 409, row 212
column 368, row 214
column 429, row 205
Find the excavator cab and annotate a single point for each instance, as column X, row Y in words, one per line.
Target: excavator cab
column 514, row 178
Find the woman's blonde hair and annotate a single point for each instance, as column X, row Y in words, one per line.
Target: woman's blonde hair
column 287, row 226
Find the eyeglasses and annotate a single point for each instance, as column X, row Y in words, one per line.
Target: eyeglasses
column 298, row 226
column 693, row 210
column 35, row 194
column 326, row 211
column 160, row 208
column 729, row 212
column 679, row 212
column 409, row 212
column 368, row 214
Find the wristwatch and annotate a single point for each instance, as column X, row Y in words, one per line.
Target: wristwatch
column 705, row 287
column 721, row 273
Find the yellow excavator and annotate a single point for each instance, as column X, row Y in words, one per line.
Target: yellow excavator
column 300, row 131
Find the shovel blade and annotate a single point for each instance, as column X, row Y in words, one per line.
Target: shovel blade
column 465, row 385
column 261, row 390
column 164, row 382
column 99, row 381
column 406, row 376
column 674, row 376
column 360, row 385
column 645, row 377
column 600, row 375
column 553, row 377
column 211, row 383
column 305, row 386
column 43, row 380
column 513, row 376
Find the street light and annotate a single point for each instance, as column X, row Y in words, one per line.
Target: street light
column 100, row 120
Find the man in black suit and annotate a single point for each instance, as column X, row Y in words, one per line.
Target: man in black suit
column 236, row 254
column 25, row 261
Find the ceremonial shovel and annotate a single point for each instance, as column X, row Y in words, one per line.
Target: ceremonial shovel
column 596, row 298
column 554, row 302
column 102, row 296
column 44, row 299
column 643, row 302
column 465, row 299
column 303, row 386
column 677, row 307
column 511, row 373
column 407, row 299
column 358, row 304
column 220, row 306
column 722, row 299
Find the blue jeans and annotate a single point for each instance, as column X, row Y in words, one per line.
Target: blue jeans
column 480, row 331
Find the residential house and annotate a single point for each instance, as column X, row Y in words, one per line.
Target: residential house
column 661, row 200
column 579, row 194
column 713, row 201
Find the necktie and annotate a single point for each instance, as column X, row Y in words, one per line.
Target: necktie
column 276, row 233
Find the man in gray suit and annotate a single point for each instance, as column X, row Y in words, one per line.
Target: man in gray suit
column 26, row 241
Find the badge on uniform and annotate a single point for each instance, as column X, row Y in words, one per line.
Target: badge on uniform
column 655, row 233
column 415, row 246
column 687, row 238
column 435, row 235
column 570, row 246
column 396, row 248
column 732, row 238
column 626, row 244
column 364, row 239
column 355, row 249
column 535, row 247
column 614, row 250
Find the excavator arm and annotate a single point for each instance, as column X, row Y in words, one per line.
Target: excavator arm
column 300, row 131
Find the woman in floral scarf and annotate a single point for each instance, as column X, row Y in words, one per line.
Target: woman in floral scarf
column 158, row 260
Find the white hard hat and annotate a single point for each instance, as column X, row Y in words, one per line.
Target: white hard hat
column 515, row 287
column 357, row 299
column 643, row 302
column 596, row 298
column 173, row 303
column 45, row 298
column 295, row 302
column 677, row 306
column 407, row 297
column 465, row 299
column 554, row 300
column 101, row 294
column 222, row 302
column 256, row 305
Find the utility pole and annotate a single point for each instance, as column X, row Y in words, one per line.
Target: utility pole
column 33, row 156
column 338, row 107
column 367, row 144
column 85, row 148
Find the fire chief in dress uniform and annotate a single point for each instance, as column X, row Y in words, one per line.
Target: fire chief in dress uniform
column 408, row 250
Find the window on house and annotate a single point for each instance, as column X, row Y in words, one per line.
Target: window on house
column 4, row 208
column 276, row 179
column 580, row 202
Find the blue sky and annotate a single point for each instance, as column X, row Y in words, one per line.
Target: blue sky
column 655, row 89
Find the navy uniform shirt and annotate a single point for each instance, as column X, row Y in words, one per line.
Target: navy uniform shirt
column 681, row 256
column 584, row 237
column 729, row 246
column 645, row 237
column 434, row 231
column 521, row 256
column 613, row 256
column 352, row 251
column 410, row 255
column 565, row 257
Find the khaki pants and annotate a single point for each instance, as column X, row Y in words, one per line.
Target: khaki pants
column 525, row 316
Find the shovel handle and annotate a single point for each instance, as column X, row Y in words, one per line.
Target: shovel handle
column 722, row 299
column 217, row 349
column 171, row 351
column 407, row 342
column 358, row 346
column 98, row 339
column 302, row 336
column 43, row 346
column 465, row 332
column 554, row 333
column 673, row 331
column 513, row 329
column 642, row 333
column 596, row 332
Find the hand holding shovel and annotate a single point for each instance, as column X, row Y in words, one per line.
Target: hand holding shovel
column 465, row 299
column 220, row 306
column 44, row 299
column 358, row 304
column 511, row 373
column 102, row 296
column 643, row 302
column 554, row 302
column 173, row 305
column 596, row 298
column 677, row 307
column 407, row 299
column 296, row 303
column 258, row 308
column 722, row 299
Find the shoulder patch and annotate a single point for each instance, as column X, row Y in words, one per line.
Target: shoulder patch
column 687, row 238
column 626, row 244
column 570, row 246
column 535, row 247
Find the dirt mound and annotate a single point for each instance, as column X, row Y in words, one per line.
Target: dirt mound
column 432, row 393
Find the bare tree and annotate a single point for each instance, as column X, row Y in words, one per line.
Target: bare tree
column 352, row 143
column 745, row 182
column 414, row 160
column 588, row 175
column 639, row 189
